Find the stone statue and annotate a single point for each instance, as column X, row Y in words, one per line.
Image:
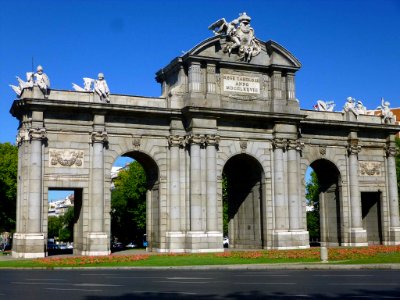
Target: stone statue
column 101, row 88
column 350, row 106
column 324, row 105
column 387, row 115
column 87, row 85
column 239, row 37
column 360, row 108
column 41, row 80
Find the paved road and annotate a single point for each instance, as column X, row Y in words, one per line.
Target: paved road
column 199, row 284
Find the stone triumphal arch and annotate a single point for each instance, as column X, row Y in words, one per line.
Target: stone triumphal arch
column 228, row 108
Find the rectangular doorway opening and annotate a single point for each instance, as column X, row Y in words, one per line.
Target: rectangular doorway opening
column 64, row 210
column 371, row 216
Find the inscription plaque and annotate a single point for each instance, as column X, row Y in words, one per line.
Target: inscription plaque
column 241, row 84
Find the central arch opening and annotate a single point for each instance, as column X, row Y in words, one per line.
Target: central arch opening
column 134, row 202
column 243, row 202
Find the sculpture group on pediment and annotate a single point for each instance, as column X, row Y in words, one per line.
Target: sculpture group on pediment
column 39, row 79
column 239, row 36
column 324, row 105
column 354, row 106
column 99, row 86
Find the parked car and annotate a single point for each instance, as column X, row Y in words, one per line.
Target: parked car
column 226, row 242
column 117, row 246
column 131, row 245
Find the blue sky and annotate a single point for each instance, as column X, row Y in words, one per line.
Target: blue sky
column 346, row 47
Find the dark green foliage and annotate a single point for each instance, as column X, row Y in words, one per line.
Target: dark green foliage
column 62, row 226
column 312, row 197
column 8, row 186
column 128, row 204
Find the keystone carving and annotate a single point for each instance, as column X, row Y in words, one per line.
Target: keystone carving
column 370, row 168
column 66, row 158
column 243, row 145
column 136, row 142
column 322, row 150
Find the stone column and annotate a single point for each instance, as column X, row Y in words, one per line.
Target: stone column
column 394, row 227
column 212, row 218
column 293, row 182
column 175, row 143
column 281, row 213
column 195, row 183
column 358, row 235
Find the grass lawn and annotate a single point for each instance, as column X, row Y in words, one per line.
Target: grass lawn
column 359, row 255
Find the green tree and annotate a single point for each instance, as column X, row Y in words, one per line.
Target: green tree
column 8, row 186
column 312, row 197
column 128, row 204
column 62, row 226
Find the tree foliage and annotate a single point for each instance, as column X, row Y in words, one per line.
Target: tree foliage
column 8, row 186
column 128, row 204
column 62, row 226
column 312, row 197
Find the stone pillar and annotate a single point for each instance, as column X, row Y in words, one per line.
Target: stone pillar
column 290, row 89
column 96, row 238
column 175, row 142
column 281, row 213
column 276, row 82
column 358, row 235
column 175, row 237
column 30, row 241
column 394, row 228
column 194, row 77
column 211, row 80
column 293, row 182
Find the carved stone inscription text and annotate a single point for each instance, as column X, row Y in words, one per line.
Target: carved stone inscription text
column 241, row 84
column 65, row 158
column 370, row 168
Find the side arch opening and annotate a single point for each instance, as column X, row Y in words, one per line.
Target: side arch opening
column 135, row 202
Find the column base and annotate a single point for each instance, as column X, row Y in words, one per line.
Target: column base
column 29, row 245
column 94, row 244
column 202, row 242
column 291, row 240
column 394, row 236
column 358, row 238
column 175, row 242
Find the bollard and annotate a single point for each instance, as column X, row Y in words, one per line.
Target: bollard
column 324, row 254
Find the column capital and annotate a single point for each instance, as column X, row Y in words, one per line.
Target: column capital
column 212, row 140
column 22, row 136
column 99, row 137
column 391, row 151
column 37, row 134
column 176, row 141
column 196, row 139
column 279, row 143
column 297, row 145
column 353, row 148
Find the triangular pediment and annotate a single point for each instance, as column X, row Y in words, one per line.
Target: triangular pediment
column 271, row 54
